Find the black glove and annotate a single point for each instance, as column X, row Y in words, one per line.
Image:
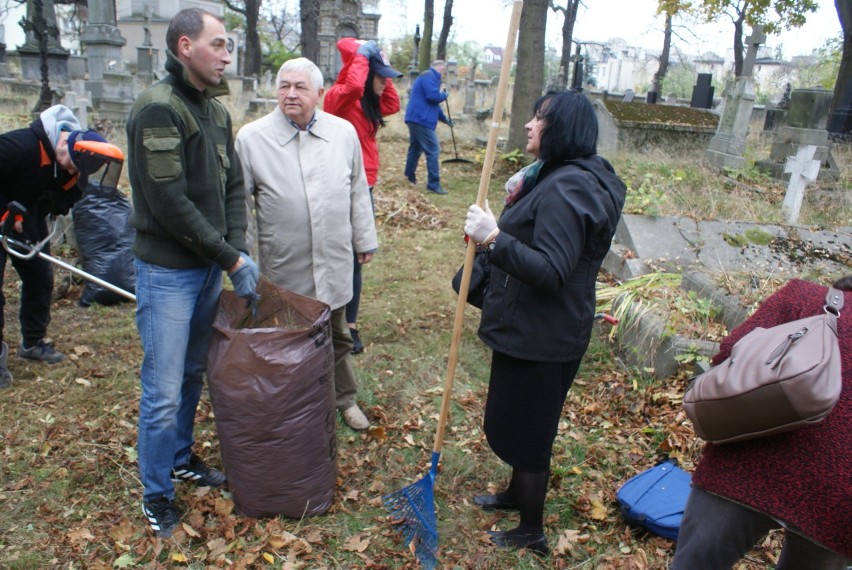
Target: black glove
column 369, row 49
column 60, row 202
column 16, row 212
column 449, row 123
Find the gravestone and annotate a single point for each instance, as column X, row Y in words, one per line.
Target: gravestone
column 776, row 116
column 470, row 91
column 702, row 92
column 147, row 56
column 110, row 85
column 452, row 74
column 802, row 169
column 42, row 34
column 628, row 96
column 806, row 124
column 727, row 147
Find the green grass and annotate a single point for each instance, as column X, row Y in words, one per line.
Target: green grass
column 68, row 480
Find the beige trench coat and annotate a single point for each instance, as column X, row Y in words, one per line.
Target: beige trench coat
column 308, row 202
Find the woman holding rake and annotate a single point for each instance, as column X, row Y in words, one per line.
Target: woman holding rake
column 559, row 218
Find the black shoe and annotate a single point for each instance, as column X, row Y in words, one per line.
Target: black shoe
column 42, row 352
column 536, row 542
column 412, row 179
column 493, row 503
column 162, row 516
column 196, row 471
column 437, row 190
column 357, row 345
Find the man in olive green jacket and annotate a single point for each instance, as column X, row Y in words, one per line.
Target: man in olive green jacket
column 190, row 219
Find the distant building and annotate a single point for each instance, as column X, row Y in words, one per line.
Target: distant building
column 337, row 19
column 713, row 64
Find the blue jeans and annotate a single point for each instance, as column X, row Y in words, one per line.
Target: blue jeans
column 423, row 140
column 175, row 309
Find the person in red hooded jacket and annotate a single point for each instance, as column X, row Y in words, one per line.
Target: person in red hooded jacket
column 364, row 95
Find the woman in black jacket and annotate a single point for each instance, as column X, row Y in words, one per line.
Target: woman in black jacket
column 559, row 218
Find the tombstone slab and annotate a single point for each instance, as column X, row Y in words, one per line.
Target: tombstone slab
column 702, row 92
column 643, row 244
column 727, row 147
column 807, row 118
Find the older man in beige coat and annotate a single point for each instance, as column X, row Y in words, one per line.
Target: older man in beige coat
column 306, row 185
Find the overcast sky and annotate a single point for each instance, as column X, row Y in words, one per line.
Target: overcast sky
column 487, row 22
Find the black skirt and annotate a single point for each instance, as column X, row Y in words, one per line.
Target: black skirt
column 523, row 408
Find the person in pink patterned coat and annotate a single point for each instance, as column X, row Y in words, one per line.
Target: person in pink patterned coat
column 799, row 480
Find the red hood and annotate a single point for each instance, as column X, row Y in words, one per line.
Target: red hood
column 347, row 47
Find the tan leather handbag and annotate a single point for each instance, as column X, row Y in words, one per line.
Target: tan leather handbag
column 775, row 380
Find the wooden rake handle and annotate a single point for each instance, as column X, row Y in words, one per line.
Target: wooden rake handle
column 484, row 181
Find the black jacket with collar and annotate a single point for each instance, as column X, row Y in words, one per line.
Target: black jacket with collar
column 30, row 174
column 540, row 302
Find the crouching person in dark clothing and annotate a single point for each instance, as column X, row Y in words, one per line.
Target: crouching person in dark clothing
column 43, row 174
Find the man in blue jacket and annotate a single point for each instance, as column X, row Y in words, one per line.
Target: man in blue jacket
column 422, row 116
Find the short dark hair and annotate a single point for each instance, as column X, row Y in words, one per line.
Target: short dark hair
column 844, row 283
column 188, row 22
column 571, row 127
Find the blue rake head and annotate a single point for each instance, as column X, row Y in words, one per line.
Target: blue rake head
column 413, row 507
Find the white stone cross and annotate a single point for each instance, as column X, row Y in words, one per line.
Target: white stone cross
column 803, row 169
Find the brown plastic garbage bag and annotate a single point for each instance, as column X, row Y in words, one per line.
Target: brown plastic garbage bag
column 271, row 386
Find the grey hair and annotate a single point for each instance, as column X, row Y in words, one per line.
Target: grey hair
column 438, row 63
column 301, row 64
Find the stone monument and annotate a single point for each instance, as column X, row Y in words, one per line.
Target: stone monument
column 806, row 124
column 42, row 55
column 702, row 92
column 110, row 85
column 727, row 147
column 147, row 56
column 802, row 169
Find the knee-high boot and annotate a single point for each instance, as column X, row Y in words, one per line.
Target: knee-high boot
column 527, row 491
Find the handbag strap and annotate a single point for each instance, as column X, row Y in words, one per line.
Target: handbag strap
column 833, row 302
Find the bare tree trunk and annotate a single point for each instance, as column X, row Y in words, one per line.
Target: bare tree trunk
column 309, row 40
column 426, row 42
column 570, row 14
column 529, row 72
column 445, row 30
column 664, row 57
column 738, row 44
column 840, row 117
column 252, row 58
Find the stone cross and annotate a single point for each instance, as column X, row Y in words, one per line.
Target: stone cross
column 756, row 38
column 803, row 169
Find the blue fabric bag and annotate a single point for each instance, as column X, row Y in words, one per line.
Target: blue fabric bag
column 655, row 499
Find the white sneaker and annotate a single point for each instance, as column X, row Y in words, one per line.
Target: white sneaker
column 355, row 418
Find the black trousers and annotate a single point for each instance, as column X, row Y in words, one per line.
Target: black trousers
column 36, row 291
column 523, row 408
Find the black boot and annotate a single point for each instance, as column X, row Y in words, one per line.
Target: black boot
column 5, row 375
column 504, row 500
column 528, row 492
